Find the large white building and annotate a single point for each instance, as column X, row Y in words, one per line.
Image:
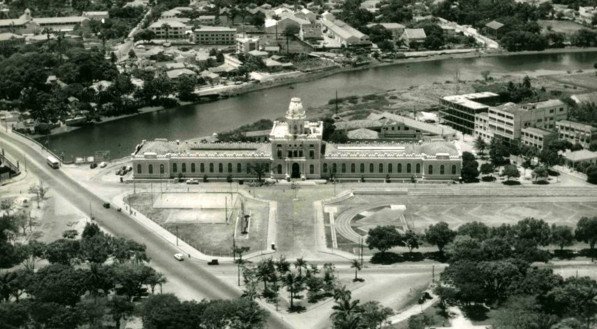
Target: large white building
column 296, row 150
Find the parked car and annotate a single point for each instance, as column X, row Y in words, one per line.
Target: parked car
column 179, row 256
column 106, row 205
column 93, row 165
column 213, row 262
column 193, row 181
column 103, row 164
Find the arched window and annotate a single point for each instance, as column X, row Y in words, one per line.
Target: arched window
column 295, row 153
column 311, row 169
column 441, row 169
column 280, row 169
column 325, row 167
column 220, row 167
column 389, row 168
column 418, row 168
column 202, row 167
column 311, row 154
column 352, row 167
column 211, row 167
column 174, row 167
column 193, row 167
column 229, row 167
column 430, row 170
column 279, row 154
column 343, row 167
column 453, row 169
column 300, row 153
column 362, row 167
column 399, row 167
column 371, row 167
column 184, row 167
column 150, row 169
column 334, row 168
column 139, row 169
column 408, row 168
column 239, row 167
column 161, row 169
column 381, row 167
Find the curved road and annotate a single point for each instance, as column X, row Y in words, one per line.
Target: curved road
column 193, row 274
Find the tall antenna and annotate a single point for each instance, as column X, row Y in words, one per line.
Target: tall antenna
column 336, row 102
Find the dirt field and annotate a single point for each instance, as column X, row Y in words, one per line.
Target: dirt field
column 566, row 27
column 204, row 221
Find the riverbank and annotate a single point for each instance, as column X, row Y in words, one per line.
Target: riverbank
column 302, row 77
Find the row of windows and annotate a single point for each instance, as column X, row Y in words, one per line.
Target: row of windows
column 297, row 154
column 381, row 168
column 202, row 168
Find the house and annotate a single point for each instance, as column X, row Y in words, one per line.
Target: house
column 494, row 27
column 210, row 77
column 8, row 39
column 370, row 5
column 215, row 35
column 586, row 14
column 395, row 28
column 170, row 29
column 574, row 159
column 177, row 73
column 207, row 19
column 246, row 44
column 413, row 37
column 96, row 15
column 278, row 26
column 310, row 32
column 343, row 33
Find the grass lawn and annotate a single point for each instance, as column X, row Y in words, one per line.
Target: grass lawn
column 566, row 27
column 209, row 238
column 434, row 313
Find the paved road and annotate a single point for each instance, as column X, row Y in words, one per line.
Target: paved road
column 194, row 275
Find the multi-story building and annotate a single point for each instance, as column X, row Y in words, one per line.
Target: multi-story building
column 458, row 111
column 343, row 33
column 246, row 44
column 536, row 137
column 207, row 19
column 215, row 35
column 482, row 127
column 296, row 150
column 576, row 133
column 27, row 24
column 509, row 119
column 170, row 29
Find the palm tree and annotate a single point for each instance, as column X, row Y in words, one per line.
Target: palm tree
column 345, row 313
column 167, row 28
column 299, row 264
column 7, row 281
column 357, row 267
column 294, row 284
column 282, row 265
column 265, row 271
column 155, row 279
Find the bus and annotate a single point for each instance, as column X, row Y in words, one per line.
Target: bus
column 53, row 162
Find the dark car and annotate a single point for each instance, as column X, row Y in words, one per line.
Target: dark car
column 93, row 165
column 213, row 262
column 106, row 205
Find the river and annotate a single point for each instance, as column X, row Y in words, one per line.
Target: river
column 120, row 136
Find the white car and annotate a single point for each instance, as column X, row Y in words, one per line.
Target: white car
column 179, row 256
column 192, row 181
column 103, row 165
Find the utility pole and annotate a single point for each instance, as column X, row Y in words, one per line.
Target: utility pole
column 432, row 273
column 361, row 252
column 177, row 235
column 336, row 102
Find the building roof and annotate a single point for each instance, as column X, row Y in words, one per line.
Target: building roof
column 95, row 13
column 215, row 29
column 207, row 17
column 414, row 34
column 163, row 147
column 537, row 131
column 177, row 73
column 12, row 22
column 388, row 26
column 9, row 36
column 60, row 20
column 576, row 125
column 356, row 124
column 340, row 28
column 258, row 53
column 390, row 150
column 424, row 127
column 363, row 133
column 257, row 133
column 580, row 155
column 549, row 103
column 468, row 100
column 585, row 98
column 171, row 22
column 495, row 25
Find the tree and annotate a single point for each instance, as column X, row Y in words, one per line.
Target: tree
column 511, row 171
column 185, row 87
column 440, row 235
column 300, row 264
column 475, row 230
column 577, row 297
column 411, row 240
column 156, row 279
column 295, row 285
column 345, row 310
column 120, row 308
column 290, row 31
column 522, row 312
column 561, row 236
column 259, row 169
column 373, row 315
column 592, row 174
column 535, row 231
column 487, row 169
column 357, row 267
column 6, row 206
column 497, row 152
column 586, row 231
column 480, row 144
column 132, row 54
column 384, row 238
column 486, row 75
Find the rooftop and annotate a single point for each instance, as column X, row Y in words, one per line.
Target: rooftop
column 576, row 125
column 537, row 131
column 495, row 25
column 469, row 100
column 585, row 98
column 388, row 26
column 580, row 155
column 58, row 20
column 215, row 29
column 9, row 36
column 363, row 133
column 414, row 34
column 163, row 147
column 390, row 150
